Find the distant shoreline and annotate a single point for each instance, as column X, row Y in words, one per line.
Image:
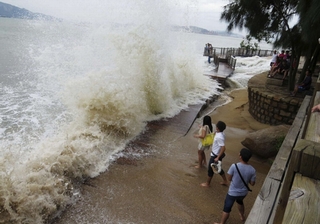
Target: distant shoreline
column 199, row 30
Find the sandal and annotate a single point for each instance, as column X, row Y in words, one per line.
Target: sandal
column 216, row 167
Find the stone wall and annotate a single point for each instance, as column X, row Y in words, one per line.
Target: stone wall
column 270, row 104
column 272, row 109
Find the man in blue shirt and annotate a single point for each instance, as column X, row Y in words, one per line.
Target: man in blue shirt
column 238, row 189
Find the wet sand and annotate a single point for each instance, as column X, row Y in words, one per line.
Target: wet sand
column 164, row 186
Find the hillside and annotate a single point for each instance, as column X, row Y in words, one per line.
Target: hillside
column 195, row 29
column 10, row 11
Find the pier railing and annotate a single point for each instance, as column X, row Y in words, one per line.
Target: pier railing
column 232, row 62
column 209, row 52
column 242, row 52
column 228, row 54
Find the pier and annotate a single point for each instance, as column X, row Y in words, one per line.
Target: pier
column 225, row 61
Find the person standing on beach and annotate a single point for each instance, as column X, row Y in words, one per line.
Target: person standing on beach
column 205, row 129
column 238, row 190
column 217, row 153
column 207, row 48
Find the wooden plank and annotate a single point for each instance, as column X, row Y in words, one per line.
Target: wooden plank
column 305, row 159
column 260, row 212
column 290, row 164
column 310, row 161
column 263, row 210
column 303, row 205
column 313, row 129
column 293, row 167
column 281, row 161
column 301, row 145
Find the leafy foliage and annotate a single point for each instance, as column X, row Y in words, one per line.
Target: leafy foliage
column 271, row 20
column 247, row 44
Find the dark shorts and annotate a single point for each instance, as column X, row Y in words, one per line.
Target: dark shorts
column 229, row 201
column 210, row 171
column 301, row 88
column 271, row 63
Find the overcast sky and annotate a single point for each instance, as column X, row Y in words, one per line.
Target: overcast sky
column 201, row 13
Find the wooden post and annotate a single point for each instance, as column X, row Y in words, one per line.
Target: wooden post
column 310, row 161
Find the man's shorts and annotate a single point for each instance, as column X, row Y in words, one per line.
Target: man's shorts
column 229, row 201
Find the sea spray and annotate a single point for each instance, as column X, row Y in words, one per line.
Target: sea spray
column 246, row 68
column 86, row 90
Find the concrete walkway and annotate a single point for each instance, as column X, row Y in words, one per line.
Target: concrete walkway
column 222, row 73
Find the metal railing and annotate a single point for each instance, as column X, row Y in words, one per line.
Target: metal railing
column 232, row 61
column 242, row 52
column 229, row 54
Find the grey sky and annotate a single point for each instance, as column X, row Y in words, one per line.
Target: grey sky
column 201, row 13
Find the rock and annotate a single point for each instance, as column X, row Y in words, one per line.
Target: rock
column 266, row 142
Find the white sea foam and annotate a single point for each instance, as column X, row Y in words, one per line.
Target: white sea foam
column 247, row 67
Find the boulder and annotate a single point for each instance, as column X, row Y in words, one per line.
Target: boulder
column 266, row 142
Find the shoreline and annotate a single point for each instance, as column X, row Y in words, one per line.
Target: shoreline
column 165, row 186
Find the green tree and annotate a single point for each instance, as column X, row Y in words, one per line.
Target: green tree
column 309, row 19
column 310, row 31
column 267, row 20
column 248, row 45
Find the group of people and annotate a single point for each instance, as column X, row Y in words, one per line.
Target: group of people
column 239, row 174
column 280, row 64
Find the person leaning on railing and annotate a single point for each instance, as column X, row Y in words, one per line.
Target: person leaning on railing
column 316, row 108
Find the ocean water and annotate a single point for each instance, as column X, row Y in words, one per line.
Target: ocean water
column 74, row 94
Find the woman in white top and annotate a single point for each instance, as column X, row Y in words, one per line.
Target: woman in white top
column 205, row 129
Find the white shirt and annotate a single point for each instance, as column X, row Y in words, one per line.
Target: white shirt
column 274, row 58
column 218, row 142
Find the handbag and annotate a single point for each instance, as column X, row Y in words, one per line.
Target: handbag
column 242, row 178
column 208, row 139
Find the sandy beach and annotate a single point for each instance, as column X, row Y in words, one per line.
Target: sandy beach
column 164, row 186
